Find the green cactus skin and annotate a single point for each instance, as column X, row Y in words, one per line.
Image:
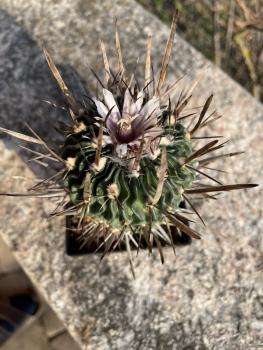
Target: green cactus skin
column 130, row 207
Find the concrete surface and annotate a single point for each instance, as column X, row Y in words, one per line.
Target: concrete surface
column 207, row 297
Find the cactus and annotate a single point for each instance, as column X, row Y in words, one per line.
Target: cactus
column 129, row 161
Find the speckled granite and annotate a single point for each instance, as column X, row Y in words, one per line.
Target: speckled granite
column 210, row 296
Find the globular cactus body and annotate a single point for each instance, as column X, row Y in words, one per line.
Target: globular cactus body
column 119, row 190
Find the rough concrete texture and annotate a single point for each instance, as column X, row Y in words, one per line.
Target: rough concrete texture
column 210, row 296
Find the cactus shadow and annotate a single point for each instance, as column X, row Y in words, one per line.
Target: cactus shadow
column 25, row 84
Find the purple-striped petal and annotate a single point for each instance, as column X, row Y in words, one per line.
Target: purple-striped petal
column 101, row 108
column 111, row 104
column 128, row 101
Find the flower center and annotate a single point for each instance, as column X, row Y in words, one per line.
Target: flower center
column 124, row 124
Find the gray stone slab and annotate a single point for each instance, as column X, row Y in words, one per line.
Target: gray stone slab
column 207, row 297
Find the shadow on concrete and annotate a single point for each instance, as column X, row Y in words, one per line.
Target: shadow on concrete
column 25, row 83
